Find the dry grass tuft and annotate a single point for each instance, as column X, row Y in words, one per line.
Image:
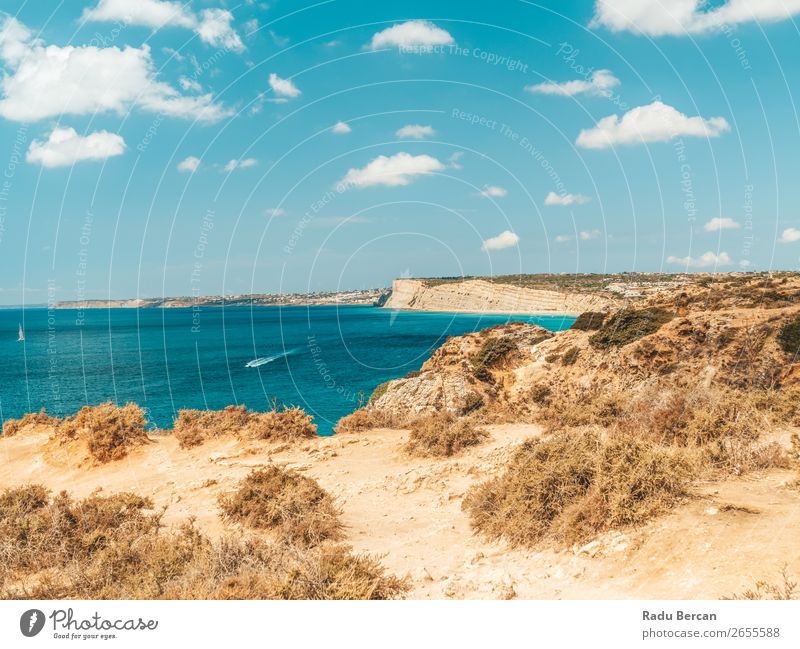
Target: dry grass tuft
column 13, row 426
column 365, row 419
column 442, row 435
column 784, row 589
column 292, row 505
column 110, row 431
column 112, row 548
column 194, row 427
column 573, row 485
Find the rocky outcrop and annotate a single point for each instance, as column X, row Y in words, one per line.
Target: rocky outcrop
column 449, row 380
column 481, row 296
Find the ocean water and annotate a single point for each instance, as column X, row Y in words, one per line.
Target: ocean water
column 326, row 359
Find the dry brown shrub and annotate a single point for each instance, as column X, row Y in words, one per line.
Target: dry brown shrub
column 13, row 426
column 194, row 427
column 365, row 419
column 110, row 431
column 784, row 589
column 235, row 569
column 39, row 533
column 282, row 500
column 111, row 548
column 573, row 485
column 442, row 435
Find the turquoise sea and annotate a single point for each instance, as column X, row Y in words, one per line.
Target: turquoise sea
column 327, row 359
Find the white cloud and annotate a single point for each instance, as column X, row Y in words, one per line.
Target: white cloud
column 392, row 171
column 341, row 127
column 421, row 35
column 213, row 26
column 565, row 199
column 215, row 29
column 47, row 82
column 283, row 87
column 656, row 122
column 583, row 235
column 706, row 260
column 190, row 84
column 600, row 84
column 505, row 239
column 275, row 211
column 744, row 263
column 190, row 164
column 493, row 191
column 414, row 131
column 240, row 164
column 679, row 17
column 790, row 235
column 454, row 160
column 64, row 147
column 721, row 223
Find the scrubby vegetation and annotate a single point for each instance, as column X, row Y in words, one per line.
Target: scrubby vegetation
column 626, row 326
column 115, row 548
column 364, row 419
column 784, row 589
column 491, row 353
column 589, row 321
column 13, row 426
column 789, row 337
column 378, row 392
column 278, row 499
column 573, row 485
column 110, row 431
column 442, row 435
column 194, row 427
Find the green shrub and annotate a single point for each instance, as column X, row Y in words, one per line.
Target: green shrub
column 378, row 392
column 490, row 354
column 629, row 325
column 789, row 337
column 589, row 321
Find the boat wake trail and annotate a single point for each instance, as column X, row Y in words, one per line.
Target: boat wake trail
column 263, row 360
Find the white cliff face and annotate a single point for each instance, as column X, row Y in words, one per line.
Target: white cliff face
column 480, row 296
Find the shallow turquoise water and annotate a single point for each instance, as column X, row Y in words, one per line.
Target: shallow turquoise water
column 325, row 359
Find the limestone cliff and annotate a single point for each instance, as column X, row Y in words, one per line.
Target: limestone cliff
column 481, row 296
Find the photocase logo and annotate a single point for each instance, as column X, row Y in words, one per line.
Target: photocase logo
column 31, row 622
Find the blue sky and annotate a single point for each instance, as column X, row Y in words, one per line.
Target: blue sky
column 164, row 148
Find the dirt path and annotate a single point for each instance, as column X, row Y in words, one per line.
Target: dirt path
column 409, row 510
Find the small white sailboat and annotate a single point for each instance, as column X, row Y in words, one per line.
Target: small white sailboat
column 21, row 338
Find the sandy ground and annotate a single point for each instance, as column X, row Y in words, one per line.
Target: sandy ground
column 720, row 542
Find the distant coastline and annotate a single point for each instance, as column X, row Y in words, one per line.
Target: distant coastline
column 372, row 296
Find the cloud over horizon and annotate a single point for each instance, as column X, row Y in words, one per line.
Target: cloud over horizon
column 706, row 260
column 505, row 239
